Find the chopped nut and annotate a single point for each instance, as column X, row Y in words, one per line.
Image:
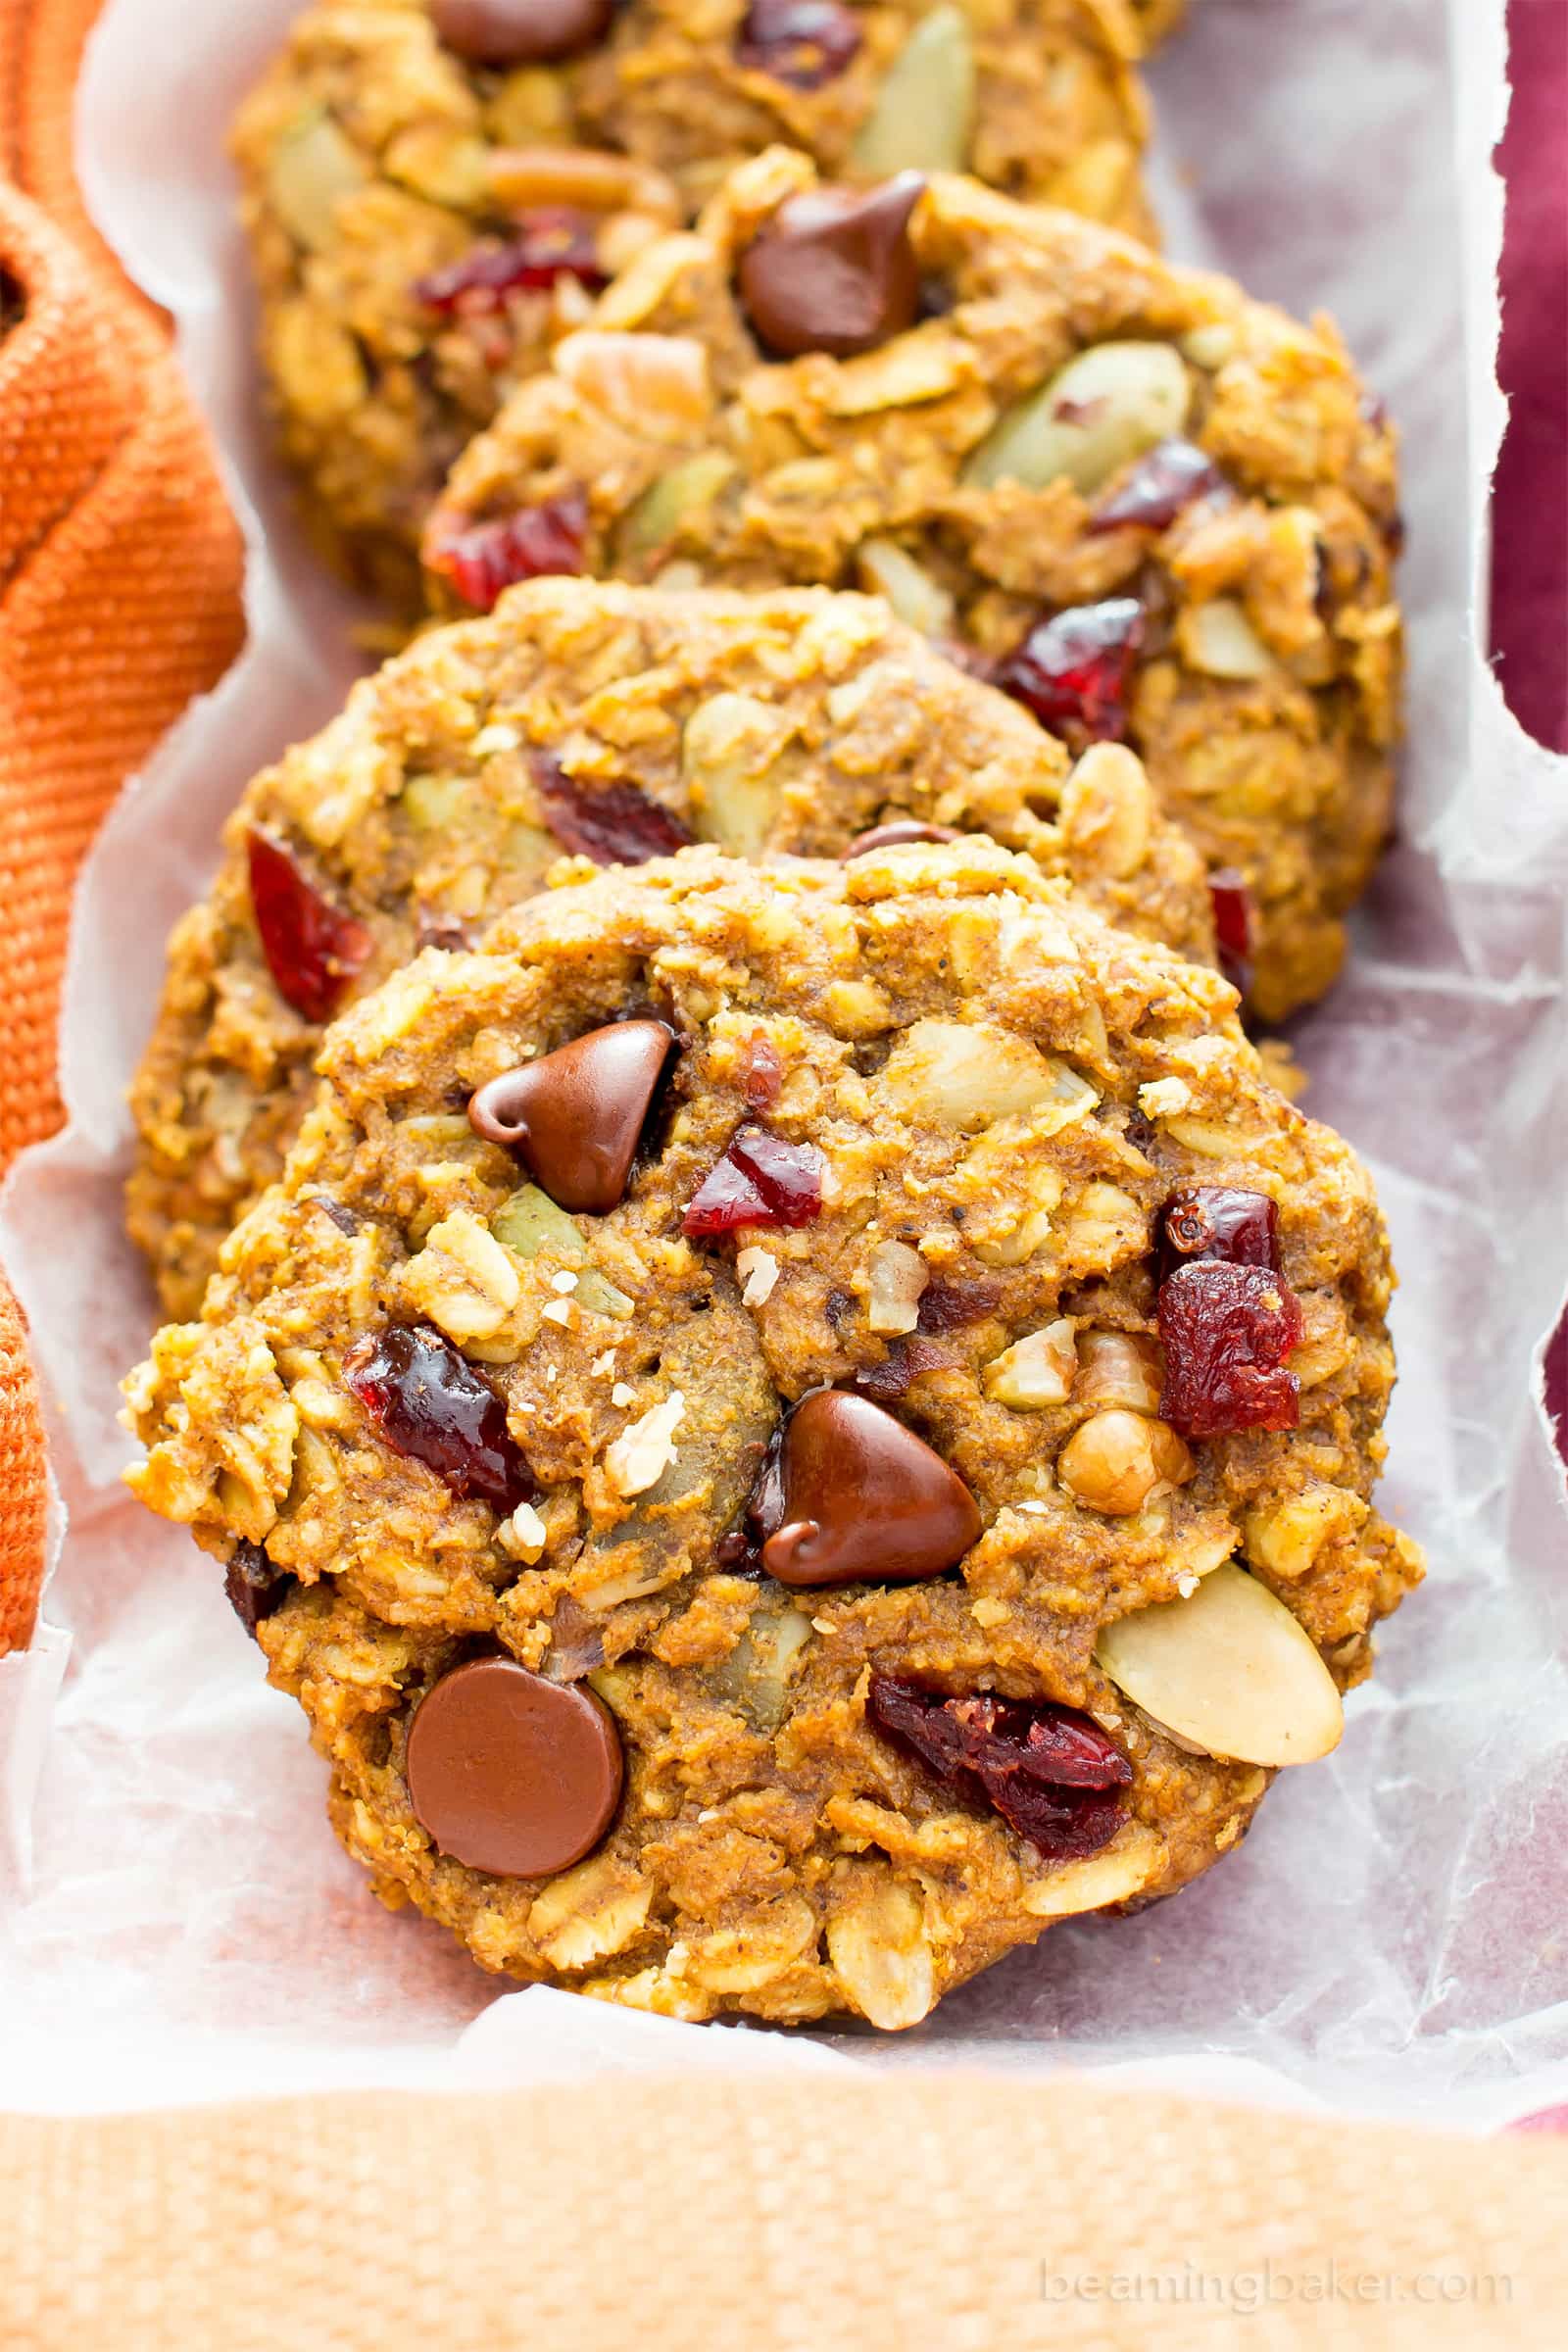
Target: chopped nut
column 1035, row 1372
column 603, row 1366
column 1230, row 1670
column 1219, row 639
column 757, row 1269
column 524, row 1535
column 1119, row 1367
column 558, row 1310
column 563, row 1282
column 1165, row 1098
column 1118, row 1461
column 876, row 1941
column 622, row 1392
column 463, row 1279
column 1107, row 811
column 898, row 1278
column 1210, row 346
column 1286, row 1538
column 642, row 1453
column 966, row 1075
column 656, row 384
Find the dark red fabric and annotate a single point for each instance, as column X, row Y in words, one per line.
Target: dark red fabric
column 1530, row 517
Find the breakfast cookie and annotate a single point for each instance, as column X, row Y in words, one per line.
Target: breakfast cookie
column 789, row 1426
column 1150, row 508
column 433, row 189
column 603, row 722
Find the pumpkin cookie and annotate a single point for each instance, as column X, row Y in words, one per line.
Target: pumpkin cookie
column 1151, row 508
column 789, row 1426
column 601, row 723
column 433, row 189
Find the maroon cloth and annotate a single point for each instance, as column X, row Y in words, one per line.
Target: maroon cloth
column 1530, row 512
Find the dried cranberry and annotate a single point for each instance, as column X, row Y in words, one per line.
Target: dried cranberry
column 1169, row 479
column 1226, row 1331
column 255, row 1589
column 905, row 1362
column 486, row 558
column 613, row 824
column 1049, row 1770
column 803, row 42
column 1219, row 1221
column 950, row 1306
column 1072, row 669
column 553, row 242
column 429, row 1404
column 1235, row 925
column 312, row 949
column 763, row 1067
column 761, row 1180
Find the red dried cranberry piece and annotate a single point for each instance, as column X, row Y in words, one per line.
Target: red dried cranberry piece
column 488, row 557
column 553, row 242
column 763, row 1067
column 761, row 1180
column 613, row 824
column 254, row 1587
column 950, row 1306
column 1072, row 669
column 1049, row 1770
column 1226, row 1331
column 312, row 949
column 1160, row 486
column 429, row 1404
column 803, row 42
column 1219, row 1221
column 1235, row 925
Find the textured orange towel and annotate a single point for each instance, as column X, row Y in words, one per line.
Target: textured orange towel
column 782, row 2216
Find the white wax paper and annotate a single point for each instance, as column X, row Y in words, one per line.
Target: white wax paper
column 1395, row 1934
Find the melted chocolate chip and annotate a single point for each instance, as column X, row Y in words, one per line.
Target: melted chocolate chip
column 575, row 1117
column 835, row 270
column 510, row 1773
column 521, row 32
column 863, row 1499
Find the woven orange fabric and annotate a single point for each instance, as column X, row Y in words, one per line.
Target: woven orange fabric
column 120, row 576
column 945, row 2213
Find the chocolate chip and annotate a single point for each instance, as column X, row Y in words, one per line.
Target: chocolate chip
column 865, row 1500
column 521, row 32
column 894, row 834
column 835, row 270
column 512, row 1773
column 575, row 1117
column 254, row 1586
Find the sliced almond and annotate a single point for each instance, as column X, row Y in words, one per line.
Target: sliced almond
column 1229, row 1669
column 876, row 1941
column 924, row 112
column 1114, row 1876
column 1106, row 407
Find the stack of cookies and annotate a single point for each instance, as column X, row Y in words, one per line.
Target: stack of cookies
column 752, row 1332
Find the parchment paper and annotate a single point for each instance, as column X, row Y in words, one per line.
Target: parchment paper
column 1395, row 1934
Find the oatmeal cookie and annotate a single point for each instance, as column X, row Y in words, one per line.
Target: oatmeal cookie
column 789, row 1426
column 1149, row 507
column 434, row 191
column 600, row 722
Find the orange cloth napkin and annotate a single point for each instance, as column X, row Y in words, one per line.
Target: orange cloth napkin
column 802, row 2216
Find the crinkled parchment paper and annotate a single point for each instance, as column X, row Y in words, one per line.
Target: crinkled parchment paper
column 1396, row 1932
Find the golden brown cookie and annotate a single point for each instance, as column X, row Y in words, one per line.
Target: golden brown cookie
column 587, row 721
column 1151, row 509
column 433, row 189
column 920, row 1491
